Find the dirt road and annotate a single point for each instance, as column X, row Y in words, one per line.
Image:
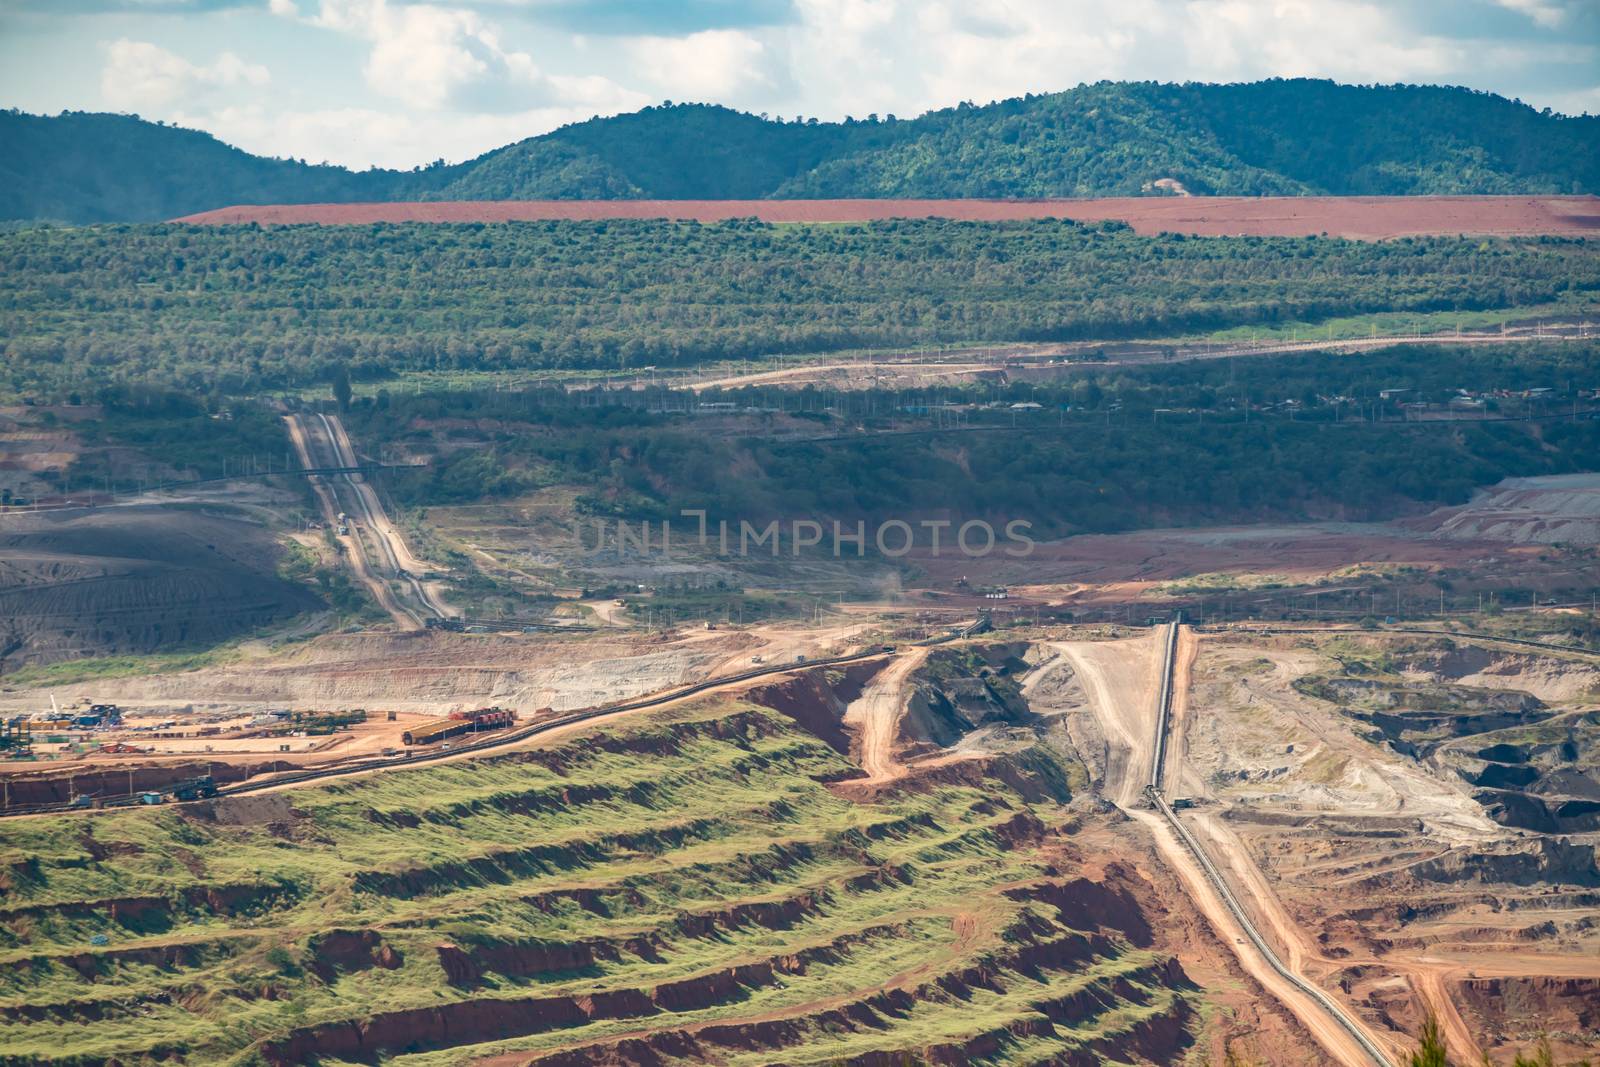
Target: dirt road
column 912, row 371
column 1434, row 972
column 391, row 545
column 322, row 441
column 1332, row 1037
column 810, row 373
column 544, row 734
column 1250, row 890
column 877, row 712
column 1121, row 679
column 609, row 612
column 354, row 550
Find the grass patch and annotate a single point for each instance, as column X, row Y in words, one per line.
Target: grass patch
column 1219, row 582
column 1393, row 323
column 89, row 670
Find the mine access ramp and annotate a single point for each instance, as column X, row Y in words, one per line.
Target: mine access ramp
column 1158, row 801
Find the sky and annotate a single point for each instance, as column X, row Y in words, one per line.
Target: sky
column 399, row 84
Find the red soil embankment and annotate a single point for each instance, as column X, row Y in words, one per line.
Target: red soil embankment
column 1364, row 217
column 59, row 784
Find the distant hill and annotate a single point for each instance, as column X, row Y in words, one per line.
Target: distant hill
column 80, row 167
column 1284, row 137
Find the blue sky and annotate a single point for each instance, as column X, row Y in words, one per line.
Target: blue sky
column 396, row 83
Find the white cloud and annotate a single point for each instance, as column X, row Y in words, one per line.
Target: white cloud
column 138, row 74
column 860, row 55
column 1344, row 39
column 1543, row 12
column 1046, row 46
column 434, row 58
column 397, row 82
column 1578, row 102
column 712, row 65
column 848, row 55
column 360, row 137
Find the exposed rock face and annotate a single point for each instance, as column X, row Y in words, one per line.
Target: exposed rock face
column 1519, row 1012
column 1158, row 1037
column 460, row 969
column 959, row 692
column 817, row 699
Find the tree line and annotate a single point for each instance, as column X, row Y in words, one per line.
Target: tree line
column 1096, row 457
column 244, row 309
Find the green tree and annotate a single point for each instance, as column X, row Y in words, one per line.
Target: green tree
column 341, row 388
column 1430, row 1046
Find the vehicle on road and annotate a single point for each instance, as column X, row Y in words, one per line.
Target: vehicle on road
column 195, row 788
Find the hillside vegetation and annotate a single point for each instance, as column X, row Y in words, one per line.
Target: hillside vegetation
column 1285, row 137
column 677, row 889
column 239, row 309
column 1111, row 450
column 79, row 167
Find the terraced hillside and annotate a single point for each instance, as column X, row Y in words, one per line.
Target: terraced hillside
column 682, row 888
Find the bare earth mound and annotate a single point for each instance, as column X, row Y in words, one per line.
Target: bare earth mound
column 123, row 581
column 1365, row 217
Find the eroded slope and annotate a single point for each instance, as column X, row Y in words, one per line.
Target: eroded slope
column 1422, row 811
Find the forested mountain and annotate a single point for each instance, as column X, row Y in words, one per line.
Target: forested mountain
column 81, row 167
column 1286, row 137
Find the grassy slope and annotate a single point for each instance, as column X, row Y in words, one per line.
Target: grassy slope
column 602, row 864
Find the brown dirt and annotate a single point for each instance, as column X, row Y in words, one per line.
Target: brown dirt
column 1366, row 217
column 1520, row 1009
column 1379, row 875
column 817, row 702
column 1114, row 567
column 1115, row 903
column 1120, row 680
column 422, row 672
column 1117, row 899
column 877, row 713
column 1264, row 568
column 57, row 785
